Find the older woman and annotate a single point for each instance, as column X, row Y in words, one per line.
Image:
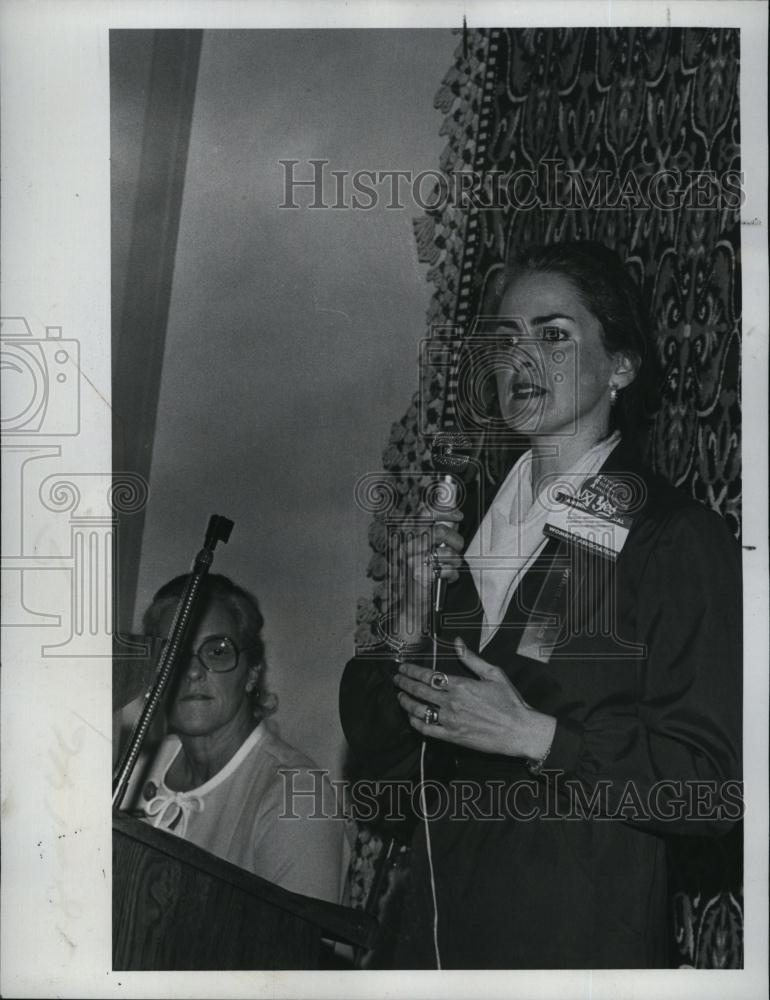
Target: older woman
column 590, row 704
column 221, row 778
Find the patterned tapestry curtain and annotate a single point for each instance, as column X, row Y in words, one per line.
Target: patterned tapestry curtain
column 629, row 137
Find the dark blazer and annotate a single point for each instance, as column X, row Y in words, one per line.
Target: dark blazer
column 568, row 870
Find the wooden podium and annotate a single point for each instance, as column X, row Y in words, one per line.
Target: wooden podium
column 177, row 907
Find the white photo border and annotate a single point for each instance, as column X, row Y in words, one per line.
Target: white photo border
column 56, row 878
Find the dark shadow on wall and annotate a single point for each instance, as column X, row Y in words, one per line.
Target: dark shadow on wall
column 153, row 76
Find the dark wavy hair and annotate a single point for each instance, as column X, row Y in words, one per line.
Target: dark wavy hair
column 608, row 291
column 244, row 609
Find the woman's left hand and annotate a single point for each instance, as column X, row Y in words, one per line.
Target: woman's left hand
column 487, row 714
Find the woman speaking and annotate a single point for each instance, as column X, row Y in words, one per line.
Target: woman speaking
column 586, row 699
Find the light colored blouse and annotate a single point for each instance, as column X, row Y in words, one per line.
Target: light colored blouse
column 269, row 810
column 510, row 536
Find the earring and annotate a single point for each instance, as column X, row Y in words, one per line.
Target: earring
column 613, row 395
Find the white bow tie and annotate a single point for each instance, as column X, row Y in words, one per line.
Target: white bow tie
column 170, row 806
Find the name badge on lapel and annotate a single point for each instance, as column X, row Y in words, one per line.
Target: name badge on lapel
column 596, row 524
column 593, row 519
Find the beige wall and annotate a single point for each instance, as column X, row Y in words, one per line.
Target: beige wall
column 292, row 338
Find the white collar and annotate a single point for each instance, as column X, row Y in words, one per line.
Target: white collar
column 171, row 810
column 252, row 740
column 510, row 536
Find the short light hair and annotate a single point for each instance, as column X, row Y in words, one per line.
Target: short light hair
column 243, row 608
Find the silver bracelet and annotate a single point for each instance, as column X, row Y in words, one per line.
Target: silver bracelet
column 401, row 647
column 536, row 766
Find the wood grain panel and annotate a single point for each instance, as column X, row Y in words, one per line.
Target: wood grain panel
column 176, row 907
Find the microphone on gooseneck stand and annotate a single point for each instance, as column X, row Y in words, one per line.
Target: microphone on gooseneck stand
column 454, row 454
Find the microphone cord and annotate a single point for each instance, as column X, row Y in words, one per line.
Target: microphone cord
column 436, row 601
column 423, row 806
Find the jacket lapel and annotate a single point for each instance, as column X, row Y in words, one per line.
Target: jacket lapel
column 564, row 593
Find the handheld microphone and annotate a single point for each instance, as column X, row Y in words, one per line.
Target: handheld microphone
column 454, row 454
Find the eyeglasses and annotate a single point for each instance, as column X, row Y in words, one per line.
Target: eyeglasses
column 217, row 653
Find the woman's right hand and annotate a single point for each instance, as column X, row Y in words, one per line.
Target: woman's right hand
column 436, row 550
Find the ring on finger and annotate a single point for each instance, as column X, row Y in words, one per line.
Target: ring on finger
column 439, row 681
column 432, row 556
column 430, row 716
